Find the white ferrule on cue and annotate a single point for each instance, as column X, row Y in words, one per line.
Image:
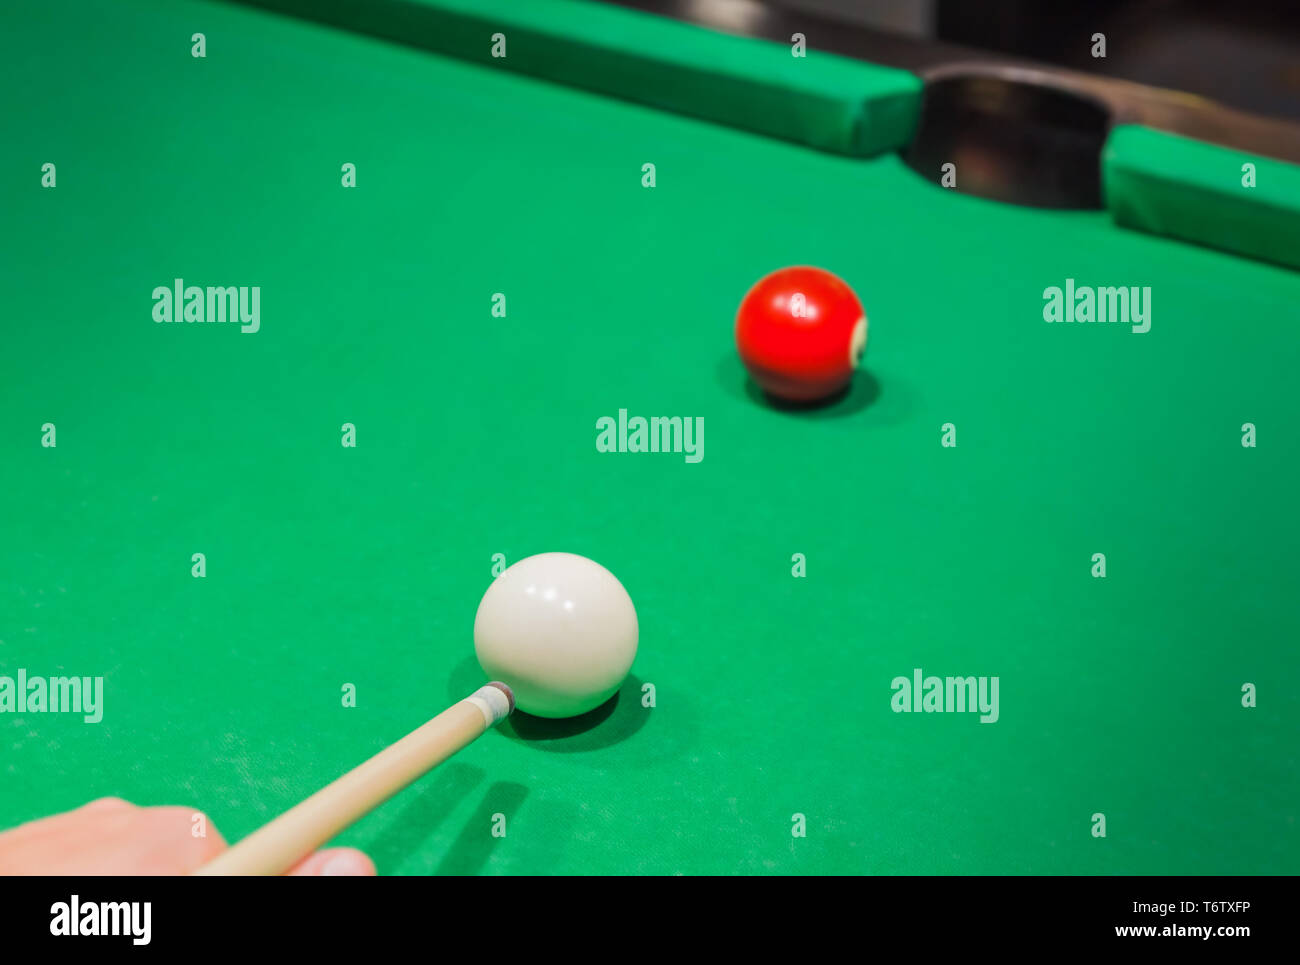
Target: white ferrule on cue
column 493, row 702
column 276, row 847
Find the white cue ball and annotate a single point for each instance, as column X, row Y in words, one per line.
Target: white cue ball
column 560, row 630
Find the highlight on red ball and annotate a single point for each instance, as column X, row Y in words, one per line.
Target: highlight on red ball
column 801, row 332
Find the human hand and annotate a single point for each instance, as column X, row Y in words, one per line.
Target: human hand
column 113, row 837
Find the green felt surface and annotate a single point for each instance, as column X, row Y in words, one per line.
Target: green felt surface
column 820, row 99
column 476, row 436
column 1183, row 188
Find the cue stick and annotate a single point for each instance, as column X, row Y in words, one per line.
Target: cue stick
column 276, row 847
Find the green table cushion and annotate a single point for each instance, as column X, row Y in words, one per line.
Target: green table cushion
column 821, row 100
column 1176, row 186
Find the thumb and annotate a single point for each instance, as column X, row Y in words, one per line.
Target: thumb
column 341, row 862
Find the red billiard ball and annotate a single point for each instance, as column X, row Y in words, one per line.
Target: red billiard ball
column 801, row 332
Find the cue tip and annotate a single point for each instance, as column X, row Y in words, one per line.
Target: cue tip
column 510, row 694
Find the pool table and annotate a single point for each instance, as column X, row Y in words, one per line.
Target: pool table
column 269, row 534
